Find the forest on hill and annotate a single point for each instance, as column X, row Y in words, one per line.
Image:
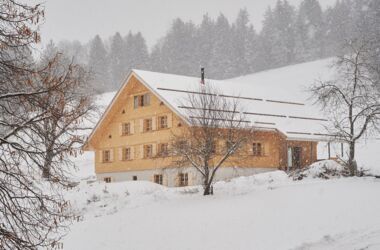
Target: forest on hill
column 289, row 35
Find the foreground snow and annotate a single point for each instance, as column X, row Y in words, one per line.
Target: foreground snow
column 266, row 211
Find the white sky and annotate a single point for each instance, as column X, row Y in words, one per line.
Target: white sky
column 82, row 19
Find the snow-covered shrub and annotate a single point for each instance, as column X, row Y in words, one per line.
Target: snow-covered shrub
column 327, row 169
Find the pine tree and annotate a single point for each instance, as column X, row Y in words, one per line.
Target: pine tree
column 135, row 52
column 205, row 39
column 309, row 31
column 244, row 35
column 178, row 50
column 99, row 66
column 284, row 32
column 117, row 60
column 339, row 23
column 266, row 42
column 221, row 64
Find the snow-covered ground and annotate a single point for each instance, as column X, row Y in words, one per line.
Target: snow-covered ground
column 267, row 211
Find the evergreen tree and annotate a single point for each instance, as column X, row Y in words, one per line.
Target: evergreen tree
column 117, row 60
column 205, row 39
column 141, row 52
column 339, row 25
column 178, row 50
column 99, row 66
column 135, row 52
column 243, row 37
column 309, row 31
column 284, row 32
column 221, row 65
column 266, row 42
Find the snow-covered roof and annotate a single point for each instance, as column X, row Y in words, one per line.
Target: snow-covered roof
column 275, row 99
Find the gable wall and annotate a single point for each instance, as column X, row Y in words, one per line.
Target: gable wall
column 112, row 127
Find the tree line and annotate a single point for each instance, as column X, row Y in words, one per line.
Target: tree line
column 227, row 49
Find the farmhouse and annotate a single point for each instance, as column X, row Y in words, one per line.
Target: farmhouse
column 133, row 137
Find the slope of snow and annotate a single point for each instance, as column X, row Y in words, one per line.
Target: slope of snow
column 267, row 211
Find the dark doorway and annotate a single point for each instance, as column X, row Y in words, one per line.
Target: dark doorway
column 135, row 178
column 297, row 151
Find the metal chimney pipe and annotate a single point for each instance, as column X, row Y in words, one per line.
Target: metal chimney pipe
column 203, row 75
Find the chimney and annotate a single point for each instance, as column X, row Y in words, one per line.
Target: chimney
column 203, row 75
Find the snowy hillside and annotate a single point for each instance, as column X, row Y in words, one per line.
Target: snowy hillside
column 267, row 211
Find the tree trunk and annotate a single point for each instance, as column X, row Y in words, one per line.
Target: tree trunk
column 352, row 166
column 206, row 183
column 47, row 165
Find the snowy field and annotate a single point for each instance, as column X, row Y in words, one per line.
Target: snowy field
column 266, row 211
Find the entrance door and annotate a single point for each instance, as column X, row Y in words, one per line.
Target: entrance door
column 290, row 158
column 297, row 157
column 294, row 157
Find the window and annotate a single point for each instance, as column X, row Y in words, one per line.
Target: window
column 148, row 151
column 106, row 156
column 158, row 178
column 213, row 147
column 126, row 129
column 134, row 178
column 141, row 100
column 126, row 154
column 163, row 149
column 107, row 179
column 163, row 122
column 147, row 125
column 257, row 149
column 183, row 179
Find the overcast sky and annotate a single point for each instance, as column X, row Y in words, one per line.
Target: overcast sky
column 82, row 19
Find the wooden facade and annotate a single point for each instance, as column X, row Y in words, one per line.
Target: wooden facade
column 138, row 125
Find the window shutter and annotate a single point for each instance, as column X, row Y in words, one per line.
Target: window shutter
column 141, row 151
column 120, row 154
column 170, row 120
column 141, row 128
column 132, row 152
column 135, row 102
column 100, row 156
column 154, row 149
column 147, row 99
column 111, row 155
column 266, row 149
column 121, row 129
column 132, row 127
column 154, row 123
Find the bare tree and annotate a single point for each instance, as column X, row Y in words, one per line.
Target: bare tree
column 33, row 213
column 214, row 120
column 70, row 109
column 351, row 99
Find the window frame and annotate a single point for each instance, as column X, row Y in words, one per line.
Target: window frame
column 126, row 129
column 106, row 156
column 158, row 179
column 161, row 123
column 183, row 179
column 141, row 100
column 161, row 152
column 147, row 128
column 257, row 149
column 126, row 152
column 145, row 153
